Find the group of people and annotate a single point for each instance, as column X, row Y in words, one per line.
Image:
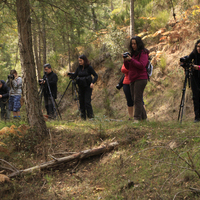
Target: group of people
column 83, row 79
column 10, row 95
column 136, row 77
column 134, row 83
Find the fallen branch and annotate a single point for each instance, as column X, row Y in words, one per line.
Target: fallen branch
column 78, row 156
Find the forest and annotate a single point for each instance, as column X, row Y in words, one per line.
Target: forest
column 108, row 156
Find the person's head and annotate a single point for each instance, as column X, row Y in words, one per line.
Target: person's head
column 82, row 59
column 13, row 72
column 197, row 47
column 136, row 45
column 47, row 68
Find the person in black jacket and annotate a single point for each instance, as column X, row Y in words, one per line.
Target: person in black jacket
column 195, row 79
column 4, row 98
column 85, row 83
column 52, row 80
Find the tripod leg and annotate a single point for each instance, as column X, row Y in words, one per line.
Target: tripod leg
column 58, row 110
column 75, row 91
column 64, row 93
column 180, row 115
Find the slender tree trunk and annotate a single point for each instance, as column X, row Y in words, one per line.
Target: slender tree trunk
column 132, row 30
column 33, row 108
column 111, row 5
column 35, row 45
column 40, row 49
column 44, row 38
column 94, row 17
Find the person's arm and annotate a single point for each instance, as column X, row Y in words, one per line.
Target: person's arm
column 75, row 74
column 94, row 74
column 141, row 63
column 6, row 95
column 53, row 80
column 17, row 82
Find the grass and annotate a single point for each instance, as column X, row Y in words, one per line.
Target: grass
column 143, row 158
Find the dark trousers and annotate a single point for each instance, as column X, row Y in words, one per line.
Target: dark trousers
column 49, row 106
column 137, row 89
column 195, row 84
column 85, row 94
column 127, row 92
column 5, row 113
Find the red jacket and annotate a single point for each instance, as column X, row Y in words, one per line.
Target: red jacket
column 125, row 72
column 137, row 67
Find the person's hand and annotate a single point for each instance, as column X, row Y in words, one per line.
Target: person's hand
column 127, row 58
column 0, row 96
column 91, row 85
column 196, row 67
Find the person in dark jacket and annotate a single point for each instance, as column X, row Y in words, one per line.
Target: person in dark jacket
column 52, row 80
column 4, row 100
column 136, row 64
column 85, row 83
column 195, row 79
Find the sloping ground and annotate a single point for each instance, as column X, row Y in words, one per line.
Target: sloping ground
column 153, row 161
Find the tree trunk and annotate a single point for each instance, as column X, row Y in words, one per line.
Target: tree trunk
column 44, row 38
column 94, row 17
column 132, row 30
column 33, row 108
column 35, row 45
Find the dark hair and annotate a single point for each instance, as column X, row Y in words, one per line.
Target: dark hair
column 13, row 71
column 47, row 65
column 140, row 46
column 86, row 61
column 195, row 47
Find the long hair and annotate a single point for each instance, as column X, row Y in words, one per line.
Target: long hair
column 140, row 46
column 86, row 61
column 195, row 47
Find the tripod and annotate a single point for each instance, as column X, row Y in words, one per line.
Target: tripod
column 187, row 79
column 55, row 106
column 74, row 92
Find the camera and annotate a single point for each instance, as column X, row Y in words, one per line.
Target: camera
column 119, row 86
column 185, row 62
column 11, row 76
column 40, row 81
column 126, row 54
column 71, row 75
column 184, row 59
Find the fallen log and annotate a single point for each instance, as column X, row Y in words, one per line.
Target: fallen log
column 56, row 161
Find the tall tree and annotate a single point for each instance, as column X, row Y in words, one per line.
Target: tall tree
column 33, row 108
column 132, row 30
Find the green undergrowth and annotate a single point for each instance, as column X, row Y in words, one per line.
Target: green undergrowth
column 154, row 160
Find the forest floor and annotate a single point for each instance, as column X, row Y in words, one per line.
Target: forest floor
column 154, row 160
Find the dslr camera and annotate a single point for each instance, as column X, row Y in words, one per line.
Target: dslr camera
column 11, row 76
column 71, row 75
column 126, row 54
column 185, row 62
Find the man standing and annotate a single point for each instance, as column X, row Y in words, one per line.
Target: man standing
column 4, row 98
column 49, row 83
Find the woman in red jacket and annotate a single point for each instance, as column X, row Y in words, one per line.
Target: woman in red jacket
column 136, row 64
column 127, row 92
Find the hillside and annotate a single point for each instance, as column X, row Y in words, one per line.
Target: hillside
column 163, row 93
